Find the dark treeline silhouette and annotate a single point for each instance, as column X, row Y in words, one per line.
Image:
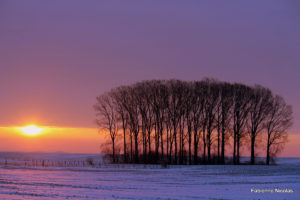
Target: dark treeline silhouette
column 179, row 122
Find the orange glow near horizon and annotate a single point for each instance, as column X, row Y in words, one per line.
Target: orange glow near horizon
column 88, row 140
column 51, row 139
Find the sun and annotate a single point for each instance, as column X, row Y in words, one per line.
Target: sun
column 31, row 130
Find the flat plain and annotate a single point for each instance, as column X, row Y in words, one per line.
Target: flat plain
column 124, row 181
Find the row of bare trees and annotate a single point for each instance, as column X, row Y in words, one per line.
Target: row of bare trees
column 175, row 121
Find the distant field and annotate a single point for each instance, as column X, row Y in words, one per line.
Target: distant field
column 49, row 159
column 146, row 182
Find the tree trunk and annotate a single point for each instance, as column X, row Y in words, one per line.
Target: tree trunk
column 162, row 141
column 179, row 153
column 268, row 155
column 175, row 143
column 113, row 147
column 195, row 148
column 144, row 142
column 180, row 143
column 218, row 142
column 136, row 148
column 131, row 147
column 190, row 146
column 149, row 143
column 181, row 140
column 223, row 145
column 252, row 149
column 124, row 145
column 157, row 142
column 268, row 151
column 238, row 149
column 167, row 141
column 145, row 149
column 204, row 147
column 234, row 147
column 208, row 149
column 182, row 150
column 208, row 145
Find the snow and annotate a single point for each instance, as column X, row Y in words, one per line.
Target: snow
column 209, row 182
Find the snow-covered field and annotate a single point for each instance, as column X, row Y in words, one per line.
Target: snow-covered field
column 149, row 182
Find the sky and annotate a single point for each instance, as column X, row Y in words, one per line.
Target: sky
column 57, row 56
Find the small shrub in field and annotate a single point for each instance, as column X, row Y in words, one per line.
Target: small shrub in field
column 90, row 161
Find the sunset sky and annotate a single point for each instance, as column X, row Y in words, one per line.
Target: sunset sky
column 57, row 56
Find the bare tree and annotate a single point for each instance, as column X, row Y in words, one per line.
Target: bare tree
column 145, row 112
column 174, row 109
column 163, row 96
column 107, row 117
column 241, row 95
column 278, row 121
column 226, row 103
column 120, row 100
column 132, row 109
column 211, row 111
column 197, row 111
column 182, row 123
column 260, row 102
column 159, row 103
column 188, row 117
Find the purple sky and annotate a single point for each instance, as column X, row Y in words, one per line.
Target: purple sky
column 57, row 56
